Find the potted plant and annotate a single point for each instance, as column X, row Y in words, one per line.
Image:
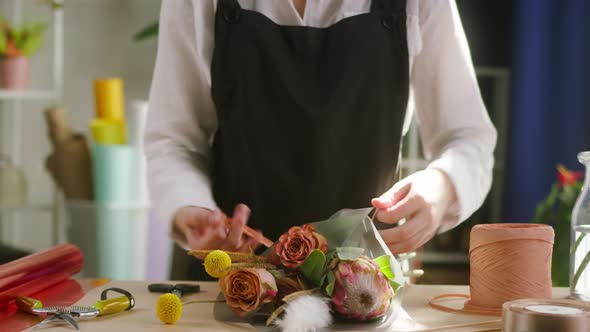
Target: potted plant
column 556, row 210
column 148, row 32
column 16, row 46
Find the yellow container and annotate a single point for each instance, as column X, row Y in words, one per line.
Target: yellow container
column 110, row 100
column 108, row 132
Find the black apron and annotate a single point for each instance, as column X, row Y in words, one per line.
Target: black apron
column 310, row 120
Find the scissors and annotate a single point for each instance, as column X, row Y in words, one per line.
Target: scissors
column 178, row 289
column 65, row 314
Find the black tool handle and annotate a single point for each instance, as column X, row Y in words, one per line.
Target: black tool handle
column 188, row 288
column 161, row 288
column 178, row 289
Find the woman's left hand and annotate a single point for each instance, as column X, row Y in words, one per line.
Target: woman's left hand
column 422, row 199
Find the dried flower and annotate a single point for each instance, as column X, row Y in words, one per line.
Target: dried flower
column 288, row 285
column 294, row 246
column 247, row 289
column 169, row 308
column 216, row 262
column 361, row 291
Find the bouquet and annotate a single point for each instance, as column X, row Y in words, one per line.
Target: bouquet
column 338, row 269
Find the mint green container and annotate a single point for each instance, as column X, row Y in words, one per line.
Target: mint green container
column 119, row 222
column 112, row 236
column 114, row 170
column 122, row 241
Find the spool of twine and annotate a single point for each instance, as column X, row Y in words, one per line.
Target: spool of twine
column 507, row 262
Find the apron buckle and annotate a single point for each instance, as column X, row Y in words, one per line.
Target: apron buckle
column 232, row 15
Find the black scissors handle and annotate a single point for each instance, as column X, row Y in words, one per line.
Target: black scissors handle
column 181, row 289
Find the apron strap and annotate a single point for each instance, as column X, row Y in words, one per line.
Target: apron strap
column 231, row 10
column 387, row 7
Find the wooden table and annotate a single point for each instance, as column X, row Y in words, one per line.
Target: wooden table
column 200, row 317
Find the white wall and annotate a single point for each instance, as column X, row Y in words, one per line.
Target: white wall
column 98, row 43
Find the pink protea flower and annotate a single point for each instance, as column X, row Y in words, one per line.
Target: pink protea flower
column 361, row 291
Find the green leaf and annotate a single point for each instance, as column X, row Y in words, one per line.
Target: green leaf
column 544, row 210
column 277, row 274
column 27, row 40
column 384, row 266
column 148, row 32
column 314, row 266
column 349, row 253
column 394, row 285
column 31, row 45
column 53, row 4
column 331, row 282
column 2, row 42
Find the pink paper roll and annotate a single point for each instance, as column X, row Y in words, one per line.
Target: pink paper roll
column 36, row 272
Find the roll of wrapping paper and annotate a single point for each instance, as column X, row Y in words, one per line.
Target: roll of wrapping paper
column 36, row 272
column 69, row 163
column 113, row 170
column 109, row 98
column 58, row 125
column 136, row 120
column 108, row 132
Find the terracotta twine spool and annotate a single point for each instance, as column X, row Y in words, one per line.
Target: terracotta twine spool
column 508, row 262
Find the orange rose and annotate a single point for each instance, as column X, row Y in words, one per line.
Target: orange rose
column 247, row 289
column 294, row 246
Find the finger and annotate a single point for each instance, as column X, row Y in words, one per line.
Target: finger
column 236, row 227
column 405, row 239
column 249, row 244
column 408, row 206
column 392, row 196
column 205, row 229
column 188, row 220
column 399, row 234
column 407, row 246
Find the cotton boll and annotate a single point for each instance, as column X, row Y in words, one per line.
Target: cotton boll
column 307, row 313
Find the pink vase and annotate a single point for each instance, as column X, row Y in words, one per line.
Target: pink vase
column 14, row 73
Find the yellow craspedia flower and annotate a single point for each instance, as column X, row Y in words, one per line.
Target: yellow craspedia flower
column 215, row 262
column 169, row 308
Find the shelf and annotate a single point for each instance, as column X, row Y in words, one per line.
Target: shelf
column 133, row 205
column 445, row 258
column 27, row 94
column 28, row 208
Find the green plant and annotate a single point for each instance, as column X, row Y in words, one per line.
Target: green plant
column 556, row 210
column 148, row 32
column 20, row 42
column 53, row 4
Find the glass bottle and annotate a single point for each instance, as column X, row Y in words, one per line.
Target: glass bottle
column 580, row 239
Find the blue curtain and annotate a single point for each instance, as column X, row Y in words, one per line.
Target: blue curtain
column 550, row 113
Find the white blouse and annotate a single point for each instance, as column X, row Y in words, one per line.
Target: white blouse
column 457, row 134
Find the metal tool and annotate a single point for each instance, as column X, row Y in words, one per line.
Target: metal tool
column 178, row 289
column 66, row 314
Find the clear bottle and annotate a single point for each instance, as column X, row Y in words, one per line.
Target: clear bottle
column 580, row 239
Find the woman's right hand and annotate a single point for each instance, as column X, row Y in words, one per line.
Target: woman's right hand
column 206, row 229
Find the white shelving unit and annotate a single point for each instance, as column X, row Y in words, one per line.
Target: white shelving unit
column 11, row 106
column 27, row 95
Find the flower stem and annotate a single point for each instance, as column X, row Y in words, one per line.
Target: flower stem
column 581, row 269
column 203, row 301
